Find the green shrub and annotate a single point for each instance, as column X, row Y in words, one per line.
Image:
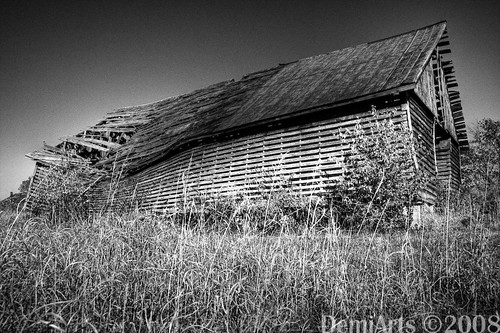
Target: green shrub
column 61, row 196
column 380, row 182
column 480, row 190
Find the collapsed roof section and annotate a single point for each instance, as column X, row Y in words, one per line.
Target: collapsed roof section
column 133, row 138
column 96, row 142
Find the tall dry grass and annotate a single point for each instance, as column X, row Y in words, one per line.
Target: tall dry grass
column 142, row 273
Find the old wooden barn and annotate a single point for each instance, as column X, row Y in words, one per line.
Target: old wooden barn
column 281, row 122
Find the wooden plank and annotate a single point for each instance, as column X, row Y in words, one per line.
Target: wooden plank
column 84, row 142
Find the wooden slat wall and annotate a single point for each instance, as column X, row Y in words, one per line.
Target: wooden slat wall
column 301, row 154
column 443, row 159
column 446, row 109
column 448, row 158
column 37, row 186
column 442, row 96
column 425, row 89
column 423, row 128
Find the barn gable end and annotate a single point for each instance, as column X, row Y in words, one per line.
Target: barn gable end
column 279, row 123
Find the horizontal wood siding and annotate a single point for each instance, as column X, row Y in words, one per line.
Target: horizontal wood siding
column 422, row 122
column 443, row 160
column 306, row 156
column 448, row 158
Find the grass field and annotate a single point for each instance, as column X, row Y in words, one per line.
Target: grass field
column 140, row 273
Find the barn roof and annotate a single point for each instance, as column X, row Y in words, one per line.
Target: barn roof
column 152, row 131
column 342, row 75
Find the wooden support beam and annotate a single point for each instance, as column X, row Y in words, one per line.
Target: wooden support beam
column 104, row 129
column 83, row 142
column 106, row 144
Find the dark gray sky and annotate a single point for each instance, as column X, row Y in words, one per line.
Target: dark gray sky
column 65, row 64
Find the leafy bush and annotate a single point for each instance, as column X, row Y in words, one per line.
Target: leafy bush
column 380, row 181
column 480, row 190
column 25, row 185
column 62, row 195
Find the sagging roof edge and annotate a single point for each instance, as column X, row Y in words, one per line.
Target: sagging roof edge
column 56, row 156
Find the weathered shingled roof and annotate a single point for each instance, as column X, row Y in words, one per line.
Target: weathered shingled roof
column 352, row 74
column 341, row 76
